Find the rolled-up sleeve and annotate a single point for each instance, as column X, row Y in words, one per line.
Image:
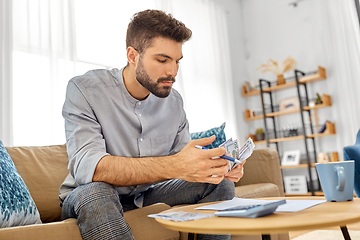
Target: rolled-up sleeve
column 84, row 139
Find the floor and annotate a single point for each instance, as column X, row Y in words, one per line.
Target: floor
column 354, row 226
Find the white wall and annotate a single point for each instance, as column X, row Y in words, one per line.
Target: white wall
column 262, row 29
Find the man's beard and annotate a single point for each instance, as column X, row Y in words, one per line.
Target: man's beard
column 143, row 78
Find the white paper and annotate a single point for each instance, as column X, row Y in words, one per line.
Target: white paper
column 298, row 205
column 289, row 206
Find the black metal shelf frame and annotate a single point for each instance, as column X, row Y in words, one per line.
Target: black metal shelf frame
column 266, row 84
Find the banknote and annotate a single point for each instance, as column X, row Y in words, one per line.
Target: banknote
column 226, row 142
column 246, row 150
column 232, row 148
column 181, row 216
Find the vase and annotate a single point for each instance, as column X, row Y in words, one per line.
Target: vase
column 260, row 136
column 280, row 79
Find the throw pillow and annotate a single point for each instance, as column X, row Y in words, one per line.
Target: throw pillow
column 17, row 207
column 217, row 131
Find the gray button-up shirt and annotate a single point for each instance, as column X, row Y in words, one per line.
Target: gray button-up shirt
column 102, row 118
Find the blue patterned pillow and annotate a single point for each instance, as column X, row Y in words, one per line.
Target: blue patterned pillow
column 217, row 131
column 17, row 207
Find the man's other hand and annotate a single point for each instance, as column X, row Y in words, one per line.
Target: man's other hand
column 198, row 165
column 235, row 174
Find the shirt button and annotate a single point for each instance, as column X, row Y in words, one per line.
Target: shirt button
column 139, row 103
column 141, row 139
column 139, row 115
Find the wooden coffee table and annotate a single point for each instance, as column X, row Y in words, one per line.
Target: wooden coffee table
column 321, row 216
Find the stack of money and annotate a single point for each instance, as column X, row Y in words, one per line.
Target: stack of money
column 232, row 148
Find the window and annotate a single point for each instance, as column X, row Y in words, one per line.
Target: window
column 56, row 40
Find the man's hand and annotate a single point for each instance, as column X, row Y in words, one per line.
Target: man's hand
column 235, row 174
column 190, row 164
column 198, row 165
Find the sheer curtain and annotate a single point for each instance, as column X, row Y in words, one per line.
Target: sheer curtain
column 56, row 40
column 43, row 54
column 5, row 73
column 204, row 78
column 341, row 33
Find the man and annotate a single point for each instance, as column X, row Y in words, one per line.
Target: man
column 127, row 129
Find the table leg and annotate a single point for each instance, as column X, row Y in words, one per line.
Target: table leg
column 345, row 233
column 265, row 237
column 191, row 236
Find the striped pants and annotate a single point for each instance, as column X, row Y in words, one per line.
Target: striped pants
column 99, row 209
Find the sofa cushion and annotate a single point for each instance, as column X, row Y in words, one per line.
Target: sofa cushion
column 17, row 208
column 43, row 170
column 217, row 131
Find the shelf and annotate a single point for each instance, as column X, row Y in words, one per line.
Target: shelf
column 334, row 157
column 329, row 133
column 249, row 94
column 320, row 135
column 260, row 142
column 249, row 117
column 303, row 165
column 317, row 193
column 320, row 75
column 330, row 130
column 274, row 140
column 254, row 118
column 326, row 99
column 326, row 102
column 279, row 113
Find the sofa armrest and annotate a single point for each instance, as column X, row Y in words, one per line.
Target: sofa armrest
column 263, row 167
column 62, row 230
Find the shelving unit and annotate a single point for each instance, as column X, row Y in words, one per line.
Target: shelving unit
column 326, row 99
column 301, row 80
column 309, row 78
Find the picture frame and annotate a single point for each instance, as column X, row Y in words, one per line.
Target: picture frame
column 289, row 103
column 291, row 158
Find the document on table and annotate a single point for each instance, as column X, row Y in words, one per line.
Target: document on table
column 289, row 206
column 297, row 205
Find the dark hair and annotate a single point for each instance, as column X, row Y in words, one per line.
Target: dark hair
column 149, row 24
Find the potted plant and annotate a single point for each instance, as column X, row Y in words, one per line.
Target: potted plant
column 260, row 135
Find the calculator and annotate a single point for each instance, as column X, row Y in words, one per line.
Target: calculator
column 251, row 211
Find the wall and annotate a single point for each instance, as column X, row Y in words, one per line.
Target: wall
column 262, row 29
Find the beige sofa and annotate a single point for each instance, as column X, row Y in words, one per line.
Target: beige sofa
column 44, row 169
